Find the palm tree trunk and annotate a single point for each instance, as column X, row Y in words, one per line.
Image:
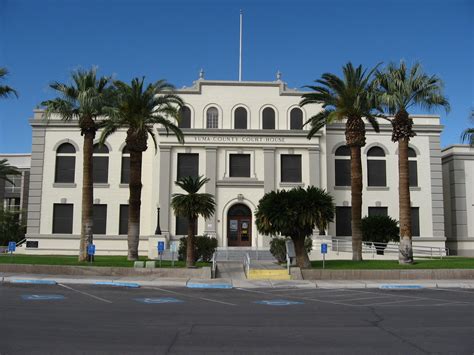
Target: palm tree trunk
column 87, row 196
column 135, row 187
column 190, row 243
column 302, row 259
column 356, row 202
column 405, row 255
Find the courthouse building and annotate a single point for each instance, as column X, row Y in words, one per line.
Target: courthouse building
column 248, row 139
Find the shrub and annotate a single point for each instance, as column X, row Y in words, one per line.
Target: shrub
column 11, row 229
column 278, row 247
column 204, row 247
column 379, row 230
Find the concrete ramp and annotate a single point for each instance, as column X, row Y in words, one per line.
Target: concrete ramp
column 230, row 270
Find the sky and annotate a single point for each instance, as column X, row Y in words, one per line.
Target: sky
column 44, row 40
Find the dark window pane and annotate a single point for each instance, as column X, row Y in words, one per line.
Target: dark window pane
column 123, row 219
column 62, row 218
column 101, row 149
column 125, row 173
column 411, row 153
column 212, row 118
column 413, row 172
column 185, row 114
column 100, row 219
column 100, row 170
column 415, row 221
column 343, row 172
column 125, row 150
column 296, row 118
column 66, row 148
column 240, row 165
column 343, row 151
column 376, row 173
column 182, row 226
column 290, row 168
column 268, row 119
column 375, row 152
column 240, row 118
column 65, row 167
column 239, row 210
column 343, row 221
column 378, row 211
column 188, row 165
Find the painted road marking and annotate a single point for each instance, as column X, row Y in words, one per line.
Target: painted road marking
column 278, row 302
column 85, row 293
column 117, row 284
column 195, row 297
column 42, row 297
column 203, row 285
column 401, row 287
column 36, row 282
column 158, row 300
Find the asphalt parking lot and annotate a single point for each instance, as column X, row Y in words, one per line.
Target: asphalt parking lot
column 77, row 319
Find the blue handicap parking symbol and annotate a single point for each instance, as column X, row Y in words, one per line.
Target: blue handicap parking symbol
column 158, row 300
column 278, row 302
column 42, row 297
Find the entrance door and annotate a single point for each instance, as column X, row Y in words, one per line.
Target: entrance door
column 239, row 226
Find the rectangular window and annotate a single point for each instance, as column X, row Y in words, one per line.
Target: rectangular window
column 188, row 165
column 412, row 173
column 62, row 218
column 415, row 221
column 14, row 185
column 123, row 220
column 65, row 167
column 378, row 211
column 125, row 173
column 239, row 165
column 343, row 221
column 291, row 168
column 376, row 173
column 182, row 226
column 343, row 172
column 100, row 219
column 100, row 170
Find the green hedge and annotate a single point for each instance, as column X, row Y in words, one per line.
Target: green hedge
column 278, row 247
column 204, row 247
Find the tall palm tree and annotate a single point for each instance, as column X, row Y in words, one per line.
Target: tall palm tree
column 295, row 213
column 6, row 90
column 7, row 169
column 83, row 100
column 191, row 206
column 347, row 99
column 138, row 108
column 468, row 134
column 399, row 89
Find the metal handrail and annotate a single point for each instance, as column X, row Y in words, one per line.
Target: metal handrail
column 288, row 263
column 247, row 264
column 214, row 265
column 21, row 242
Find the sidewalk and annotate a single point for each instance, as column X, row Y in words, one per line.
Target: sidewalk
column 233, row 283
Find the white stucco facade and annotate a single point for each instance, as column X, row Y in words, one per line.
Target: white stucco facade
column 214, row 148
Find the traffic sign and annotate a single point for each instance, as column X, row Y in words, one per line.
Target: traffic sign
column 161, row 247
column 324, row 248
column 91, row 249
column 11, row 246
column 174, row 247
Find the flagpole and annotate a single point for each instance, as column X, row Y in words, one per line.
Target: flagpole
column 240, row 48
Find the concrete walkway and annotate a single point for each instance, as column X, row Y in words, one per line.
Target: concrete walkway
column 233, row 270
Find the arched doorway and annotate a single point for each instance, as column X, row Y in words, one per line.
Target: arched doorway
column 239, row 226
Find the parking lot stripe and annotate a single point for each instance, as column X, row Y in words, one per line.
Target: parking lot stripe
column 451, row 290
column 86, row 294
column 196, row 297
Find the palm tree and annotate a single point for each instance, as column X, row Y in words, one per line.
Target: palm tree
column 5, row 90
column 191, row 206
column 468, row 134
column 139, row 108
column 295, row 213
column 400, row 89
column 6, row 169
column 83, row 101
column 347, row 99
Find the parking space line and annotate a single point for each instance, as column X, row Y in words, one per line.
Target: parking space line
column 86, row 294
column 451, row 290
column 364, row 298
column 196, row 297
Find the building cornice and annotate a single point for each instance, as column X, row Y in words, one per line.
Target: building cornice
column 418, row 128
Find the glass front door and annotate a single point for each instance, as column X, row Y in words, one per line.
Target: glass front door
column 239, row 228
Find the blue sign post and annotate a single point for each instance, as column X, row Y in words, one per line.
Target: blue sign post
column 161, row 249
column 324, row 250
column 11, row 247
column 91, row 251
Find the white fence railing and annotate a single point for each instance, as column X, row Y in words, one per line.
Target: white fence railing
column 247, row 264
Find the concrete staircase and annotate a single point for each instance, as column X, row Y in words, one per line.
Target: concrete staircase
column 238, row 254
column 265, row 270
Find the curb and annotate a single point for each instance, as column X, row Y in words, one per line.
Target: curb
column 117, row 284
column 35, row 282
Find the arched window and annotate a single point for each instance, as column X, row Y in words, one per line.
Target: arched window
column 65, row 163
column 125, row 171
column 185, row 114
column 212, row 118
column 268, row 118
column 240, row 118
column 412, row 167
column 100, row 169
column 296, row 118
column 376, row 167
column 342, row 164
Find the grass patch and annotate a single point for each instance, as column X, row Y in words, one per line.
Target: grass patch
column 445, row 263
column 118, row 261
